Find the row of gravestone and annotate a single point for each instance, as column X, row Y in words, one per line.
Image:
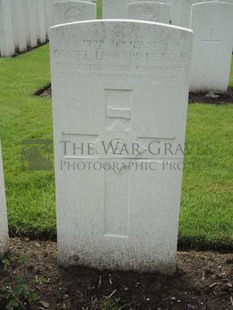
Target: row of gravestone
column 211, row 22
column 120, row 96
column 179, row 10
column 24, row 24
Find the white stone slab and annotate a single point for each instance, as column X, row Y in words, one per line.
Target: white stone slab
column 33, row 22
column 71, row 11
column 176, row 20
column 118, row 8
column 6, row 29
column 150, row 11
column 114, row 8
column 48, row 10
column 212, row 24
column 4, row 238
column 228, row 1
column 138, row 72
column 41, row 21
column 20, row 24
column 48, row 14
column 185, row 11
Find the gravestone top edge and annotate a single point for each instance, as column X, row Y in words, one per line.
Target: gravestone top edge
column 217, row 3
column 123, row 21
column 147, row 2
column 76, row 2
column 71, row 1
column 211, row 2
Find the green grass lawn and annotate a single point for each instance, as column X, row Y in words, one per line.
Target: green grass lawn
column 30, row 195
column 207, row 202
column 231, row 76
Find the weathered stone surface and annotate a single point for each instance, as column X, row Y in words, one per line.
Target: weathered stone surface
column 114, row 8
column 20, row 25
column 33, row 22
column 7, row 42
column 71, row 11
column 41, row 11
column 120, row 93
column 150, row 11
column 185, row 11
column 118, row 8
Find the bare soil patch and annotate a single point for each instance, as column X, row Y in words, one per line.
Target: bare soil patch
column 212, row 97
column 203, row 281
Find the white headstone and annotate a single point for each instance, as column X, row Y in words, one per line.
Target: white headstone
column 185, row 11
column 212, row 24
column 7, row 42
column 228, row 1
column 119, row 218
column 41, row 20
column 20, row 25
column 71, row 11
column 114, row 8
column 118, row 8
column 33, row 22
column 150, row 11
column 4, row 238
column 177, row 12
column 48, row 13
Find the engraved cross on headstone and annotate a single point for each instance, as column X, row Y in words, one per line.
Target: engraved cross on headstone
column 211, row 42
column 118, row 130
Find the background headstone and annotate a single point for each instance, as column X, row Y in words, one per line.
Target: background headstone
column 212, row 24
column 7, row 41
column 114, row 9
column 48, row 12
column 185, row 11
column 41, row 21
column 4, row 238
column 150, row 11
column 20, row 25
column 228, row 1
column 138, row 71
column 33, row 22
column 71, row 11
column 118, row 8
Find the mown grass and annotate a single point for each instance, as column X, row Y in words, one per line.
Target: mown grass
column 206, row 219
column 30, row 195
column 231, row 75
column 206, row 215
column 207, row 202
